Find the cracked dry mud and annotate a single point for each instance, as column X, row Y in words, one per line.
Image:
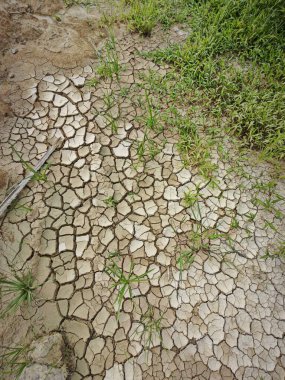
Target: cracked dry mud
column 223, row 318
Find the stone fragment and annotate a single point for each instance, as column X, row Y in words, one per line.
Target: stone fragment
column 43, row 372
column 48, row 350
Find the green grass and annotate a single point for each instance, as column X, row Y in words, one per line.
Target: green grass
column 278, row 251
column 190, row 198
column 152, row 324
column 185, row 259
column 143, row 15
column 111, row 202
column 122, row 281
column 112, row 122
column 20, row 290
column 38, row 175
column 14, row 360
column 109, row 65
column 233, row 61
column 147, row 148
column 151, row 121
column 70, row 3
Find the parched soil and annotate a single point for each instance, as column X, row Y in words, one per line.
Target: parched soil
column 222, row 317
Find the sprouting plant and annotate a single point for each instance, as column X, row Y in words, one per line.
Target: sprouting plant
column 185, row 259
column 190, row 198
column 132, row 195
column 153, row 149
column 19, row 289
column 147, row 146
column 18, row 206
column 124, row 91
column 38, row 175
column 123, row 282
column 92, row 82
column 151, row 322
column 112, row 122
column 109, row 65
column 56, row 17
column 250, row 216
column 111, row 201
column 234, row 223
column 142, row 16
column 141, row 149
column 268, row 224
column 151, row 120
column 108, row 100
column 23, row 207
column 197, row 238
column 113, row 254
column 277, row 251
column 107, row 19
column 265, row 186
column 14, row 360
column 85, row 3
column 206, row 170
column 269, row 204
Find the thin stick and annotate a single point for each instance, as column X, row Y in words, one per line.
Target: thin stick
column 15, row 192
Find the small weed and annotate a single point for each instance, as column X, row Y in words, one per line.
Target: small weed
column 14, row 360
column 142, row 16
column 111, row 202
column 113, row 254
column 109, row 100
column 92, row 82
column 124, row 91
column 250, row 216
column 70, row 3
column 270, row 225
column 151, row 120
column 57, row 17
column 38, row 175
column 110, row 15
column 234, row 58
column 269, row 205
column 110, row 63
column 265, row 187
column 112, row 122
column 185, row 259
column 197, row 239
column 18, row 206
column 234, row 223
column 132, row 195
column 190, row 198
column 123, row 282
column 278, row 251
column 151, row 321
column 21, row 289
column 147, row 147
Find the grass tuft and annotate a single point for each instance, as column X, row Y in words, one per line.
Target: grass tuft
column 122, row 281
column 143, row 15
column 234, row 60
column 19, row 289
column 14, row 360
